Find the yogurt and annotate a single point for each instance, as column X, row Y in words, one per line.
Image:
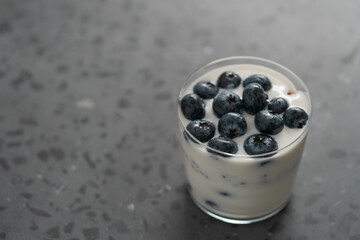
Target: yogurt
column 241, row 188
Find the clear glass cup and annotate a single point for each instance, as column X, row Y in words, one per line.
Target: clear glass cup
column 239, row 188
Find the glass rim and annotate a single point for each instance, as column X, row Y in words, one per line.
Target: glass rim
column 228, row 156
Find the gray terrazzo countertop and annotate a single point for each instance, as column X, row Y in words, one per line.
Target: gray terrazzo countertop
column 88, row 88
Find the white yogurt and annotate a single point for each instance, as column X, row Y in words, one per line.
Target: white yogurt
column 241, row 186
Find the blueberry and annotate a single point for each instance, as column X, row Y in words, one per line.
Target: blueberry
column 224, row 193
column 232, row 125
column 260, row 79
column 268, row 122
column 206, row 90
column 227, row 101
column 254, row 98
column 211, row 203
column 295, row 117
column 278, row 105
column 202, row 130
column 192, row 106
column 229, row 80
column 222, row 144
column 259, row 143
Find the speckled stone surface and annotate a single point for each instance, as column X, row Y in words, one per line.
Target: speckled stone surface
column 88, row 88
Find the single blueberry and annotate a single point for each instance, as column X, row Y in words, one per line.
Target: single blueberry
column 295, row 117
column 227, row 101
column 192, row 106
column 268, row 122
column 229, row 80
column 224, row 193
column 259, row 144
column 232, row 125
column 222, row 144
column 202, row 130
column 260, row 79
column 278, row 105
column 254, row 98
column 211, row 203
column 206, row 90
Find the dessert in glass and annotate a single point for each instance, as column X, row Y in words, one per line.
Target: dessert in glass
column 243, row 123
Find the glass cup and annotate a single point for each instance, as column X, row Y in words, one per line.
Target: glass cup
column 240, row 188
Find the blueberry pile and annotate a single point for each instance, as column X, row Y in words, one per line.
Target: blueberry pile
column 270, row 117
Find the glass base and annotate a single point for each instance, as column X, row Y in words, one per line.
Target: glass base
column 240, row 221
